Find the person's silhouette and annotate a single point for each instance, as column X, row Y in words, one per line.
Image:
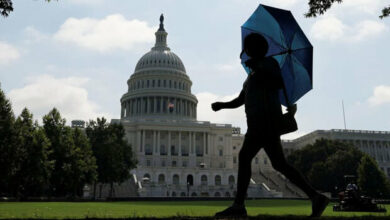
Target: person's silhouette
column 260, row 94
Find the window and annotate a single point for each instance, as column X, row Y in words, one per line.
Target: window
column 256, row 160
column 203, row 180
column 158, row 83
column 185, row 163
column 220, row 138
column 220, row 152
column 234, row 147
column 175, row 179
column 174, row 85
column 148, row 163
column 265, row 161
column 173, row 163
column 165, row 83
column 161, row 179
column 147, row 83
column 217, row 180
column 234, row 159
column 163, row 163
column 153, row 83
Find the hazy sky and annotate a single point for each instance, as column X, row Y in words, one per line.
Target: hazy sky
column 77, row 55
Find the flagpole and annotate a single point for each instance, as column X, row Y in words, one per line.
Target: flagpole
column 345, row 124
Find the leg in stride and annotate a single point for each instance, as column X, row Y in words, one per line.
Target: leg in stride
column 275, row 153
column 247, row 153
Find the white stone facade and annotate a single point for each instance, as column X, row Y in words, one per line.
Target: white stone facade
column 177, row 155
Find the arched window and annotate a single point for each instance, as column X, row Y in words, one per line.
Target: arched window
column 217, row 194
column 161, row 179
column 217, row 180
column 203, row 180
column 182, row 194
column 176, row 179
column 194, row 194
column 173, row 194
column 227, row 194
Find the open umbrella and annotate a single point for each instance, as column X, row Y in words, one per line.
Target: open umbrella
column 288, row 45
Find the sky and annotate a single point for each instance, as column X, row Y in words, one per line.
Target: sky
column 76, row 55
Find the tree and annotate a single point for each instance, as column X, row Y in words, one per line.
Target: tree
column 326, row 162
column 319, row 7
column 74, row 163
column 114, row 156
column 371, row 180
column 6, row 7
column 33, row 167
column 7, row 141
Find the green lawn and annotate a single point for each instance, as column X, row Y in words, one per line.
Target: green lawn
column 160, row 209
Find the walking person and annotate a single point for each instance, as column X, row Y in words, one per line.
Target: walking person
column 260, row 95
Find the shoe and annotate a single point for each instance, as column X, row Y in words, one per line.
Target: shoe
column 319, row 203
column 232, row 211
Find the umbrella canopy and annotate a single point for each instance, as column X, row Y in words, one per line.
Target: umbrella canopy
column 288, row 45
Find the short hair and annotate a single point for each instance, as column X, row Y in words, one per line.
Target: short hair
column 256, row 45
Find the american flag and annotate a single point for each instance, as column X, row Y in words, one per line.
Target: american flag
column 170, row 106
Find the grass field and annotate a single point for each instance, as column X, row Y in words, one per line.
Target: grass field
column 146, row 209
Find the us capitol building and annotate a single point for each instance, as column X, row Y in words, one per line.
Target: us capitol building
column 179, row 156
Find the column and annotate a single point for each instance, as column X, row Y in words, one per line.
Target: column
column 154, row 142
column 207, row 143
column 155, row 104
column 158, row 142
column 169, row 143
column 204, row 143
column 128, row 109
column 143, row 140
column 139, row 141
column 161, row 104
column 194, row 143
column 179, row 144
column 190, row 143
column 190, row 108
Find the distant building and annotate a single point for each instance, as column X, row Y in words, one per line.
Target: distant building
column 374, row 143
column 78, row 124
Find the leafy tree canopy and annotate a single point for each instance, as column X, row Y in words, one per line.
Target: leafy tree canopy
column 326, row 162
column 372, row 180
column 319, row 7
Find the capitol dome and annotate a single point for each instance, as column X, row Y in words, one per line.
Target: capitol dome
column 160, row 59
column 159, row 86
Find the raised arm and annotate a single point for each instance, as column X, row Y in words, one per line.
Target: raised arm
column 235, row 103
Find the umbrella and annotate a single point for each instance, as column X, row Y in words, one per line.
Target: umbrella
column 288, row 45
